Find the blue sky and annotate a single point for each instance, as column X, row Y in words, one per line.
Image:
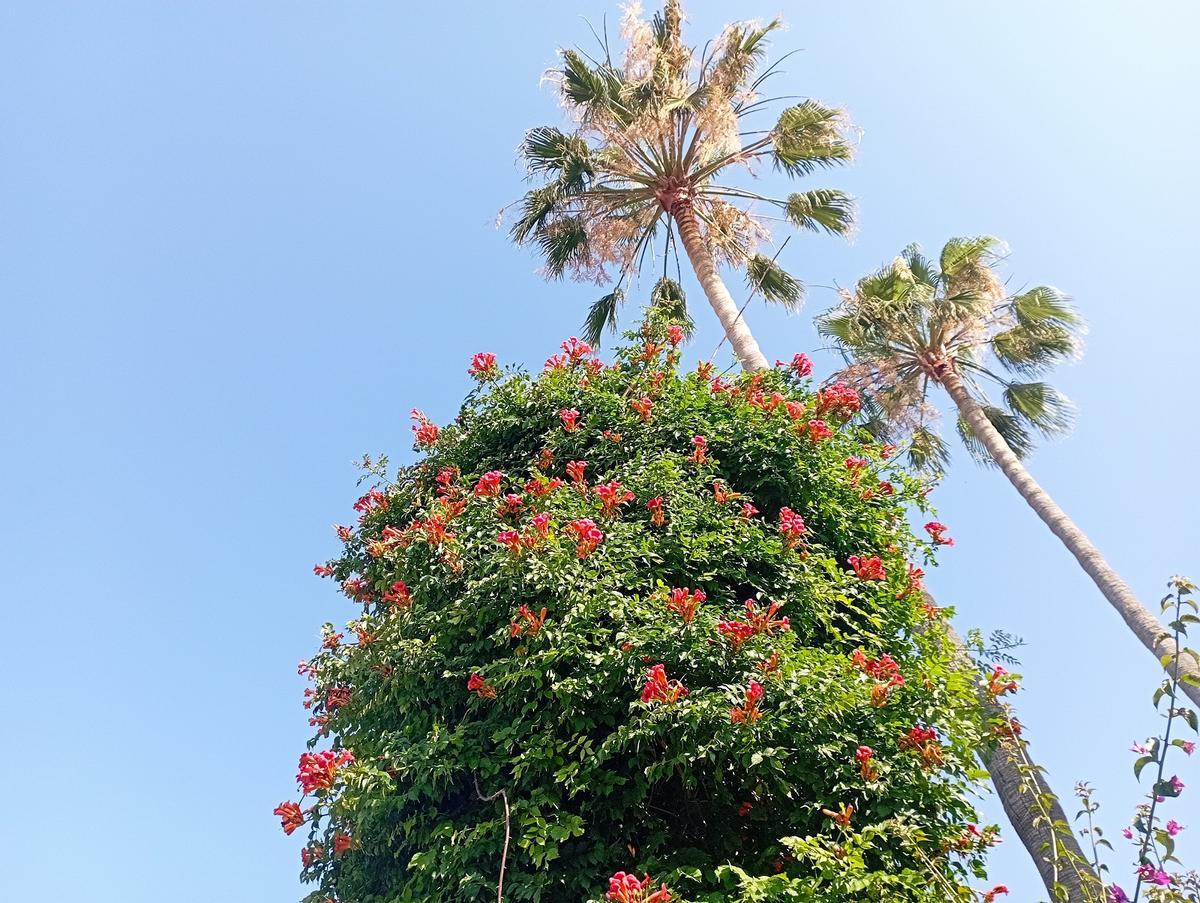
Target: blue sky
column 240, row 240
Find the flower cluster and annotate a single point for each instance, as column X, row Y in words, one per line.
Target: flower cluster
column 924, row 740
column 527, row 623
column 644, row 406
column 699, row 449
column 937, row 533
column 425, row 430
column 791, row 527
column 291, row 816
column 838, row 400
column 478, row 685
column 748, row 712
column 658, row 516
column 866, row 763
column 685, row 602
column 612, row 495
column 883, row 670
column 661, row 690
column 483, row 364
column 587, row 536
column 758, row 621
column 318, row 771
column 868, row 568
column 626, row 888
column 489, row 484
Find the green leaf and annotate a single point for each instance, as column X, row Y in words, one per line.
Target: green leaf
column 821, row 209
column 602, row 315
column 810, row 135
column 773, row 282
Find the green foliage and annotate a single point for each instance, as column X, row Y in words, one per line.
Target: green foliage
column 597, row 780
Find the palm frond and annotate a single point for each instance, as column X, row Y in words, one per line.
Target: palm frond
column 1041, row 406
column 1009, row 428
column 961, row 253
column 927, row 451
column 538, row 205
column 920, row 266
column 668, row 295
column 774, row 283
column 1042, row 306
column 602, row 315
column 562, row 242
column 821, row 209
column 550, row 150
column 1033, row 349
column 810, row 135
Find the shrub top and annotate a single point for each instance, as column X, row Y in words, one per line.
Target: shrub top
column 674, row 618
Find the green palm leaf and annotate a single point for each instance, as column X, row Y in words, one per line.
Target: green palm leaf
column 602, row 315
column 1041, row 406
column 774, row 283
column 821, row 209
column 1009, row 428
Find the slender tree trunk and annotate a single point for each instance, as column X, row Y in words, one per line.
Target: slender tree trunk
column 1032, row 808
column 1003, row 766
column 736, row 330
column 1145, row 626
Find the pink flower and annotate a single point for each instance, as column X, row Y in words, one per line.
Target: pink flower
column 1139, row 749
column 489, row 484
column 318, row 771
column 659, row 689
column 1176, row 784
column 576, row 350
column 511, row 539
column 801, row 366
column 839, row 400
column 587, row 536
column 482, row 364
column 569, row 418
column 748, row 510
column 624, row 888
column 1173, row 827
column 868, row 568
column 426, row 431
column 936, row 533
column 612, row 495
column 1148, row 872
column 674, row 333
column 1116, row 895
column 791, row 527
column 644, row 406
column 1127, row 833
column 700, row 450
column 818, row 430
column 1188, row 746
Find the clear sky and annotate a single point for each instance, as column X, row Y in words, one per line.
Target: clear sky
column 240, row 240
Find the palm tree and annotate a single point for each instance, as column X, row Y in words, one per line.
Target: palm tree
column 914, row 325
column 653, row 142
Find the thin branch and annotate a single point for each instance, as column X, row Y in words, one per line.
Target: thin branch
column 507, row 833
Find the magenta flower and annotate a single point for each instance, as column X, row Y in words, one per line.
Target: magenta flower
column 1174, row 827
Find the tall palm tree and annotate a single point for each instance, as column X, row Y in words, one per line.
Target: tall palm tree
column 654, row 144
column 914, row 325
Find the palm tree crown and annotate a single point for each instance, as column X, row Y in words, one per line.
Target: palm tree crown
column 653, row 141
column 913, row 322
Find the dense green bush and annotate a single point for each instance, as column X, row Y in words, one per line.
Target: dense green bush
column 514, row 612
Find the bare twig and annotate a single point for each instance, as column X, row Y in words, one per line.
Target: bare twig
column 507, row 834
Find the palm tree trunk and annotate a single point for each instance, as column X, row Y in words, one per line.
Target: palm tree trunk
column 1145, row 626
column 1032, row 808
column 736, row 330
column 1004, row 767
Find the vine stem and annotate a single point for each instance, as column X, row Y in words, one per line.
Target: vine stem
column 507, row 833
column 1173, row 672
